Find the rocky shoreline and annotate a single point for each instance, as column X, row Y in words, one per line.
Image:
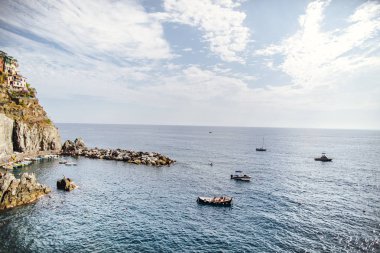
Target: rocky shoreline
column 78, row 148
column 15, row 192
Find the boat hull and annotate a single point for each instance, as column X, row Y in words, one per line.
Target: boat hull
column 242, row 179
column 238, row 178
column 214, row 201
column 261, row 149
column 323, row 159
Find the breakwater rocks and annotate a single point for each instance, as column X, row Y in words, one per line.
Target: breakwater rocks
column 78, row 148
column 15, row 192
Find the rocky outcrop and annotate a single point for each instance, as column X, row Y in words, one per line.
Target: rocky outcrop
column 33, row 137
column 15, row 192
column 78, row 148
column 66, row 184
column 31, row 129
column 73, row 146
column 6, row 129
column 26, row 137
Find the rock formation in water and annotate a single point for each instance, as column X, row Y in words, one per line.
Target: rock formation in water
column 66, row 184
column 15, row 192
column 78, row 148
column 24, row 124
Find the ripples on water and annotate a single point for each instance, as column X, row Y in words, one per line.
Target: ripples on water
column 292, row 203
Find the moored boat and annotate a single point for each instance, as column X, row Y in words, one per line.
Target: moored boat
column 262, row 147
column 25, row 163
column 216, row 201
column 17, row 165
column 36, row 159
column 323, row 158
column 49, row 157
column 240, row 176
column 7, row 166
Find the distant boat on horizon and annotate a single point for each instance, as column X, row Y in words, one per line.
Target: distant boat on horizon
column 323, row 158
column 262, row 147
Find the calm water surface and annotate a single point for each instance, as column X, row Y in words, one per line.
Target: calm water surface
column 292, row 204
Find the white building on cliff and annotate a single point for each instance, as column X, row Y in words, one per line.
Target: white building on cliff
column 9, row 69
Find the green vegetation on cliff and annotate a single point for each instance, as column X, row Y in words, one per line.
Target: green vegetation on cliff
column 21, row 105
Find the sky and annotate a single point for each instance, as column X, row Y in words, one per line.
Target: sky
column 293, row 63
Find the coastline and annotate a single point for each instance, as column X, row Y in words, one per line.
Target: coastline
column 16, row 157
column 25, row 189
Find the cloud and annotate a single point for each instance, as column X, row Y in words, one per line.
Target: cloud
column 118, row 65
column 219, row 21
column 313, row 57
column 194, row 83
column 120, row 30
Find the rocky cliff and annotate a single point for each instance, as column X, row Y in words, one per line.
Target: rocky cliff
column 26, row 129
column 24, row 124
column 6, row 130
column 31, row 137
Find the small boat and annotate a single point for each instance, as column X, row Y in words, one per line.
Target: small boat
column 70, row 164
column 240, row 176
column 323, row 158
column 215, row 201
column 62, row 162
column 7, row 166
column 17, row 165
column 49, row 157
column 262, row 147
column 36, row 159
column 25, row 163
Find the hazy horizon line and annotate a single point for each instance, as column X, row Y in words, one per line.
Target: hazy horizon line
column 222, row 126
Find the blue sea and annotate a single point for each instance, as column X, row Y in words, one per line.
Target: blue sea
column 292, row 204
